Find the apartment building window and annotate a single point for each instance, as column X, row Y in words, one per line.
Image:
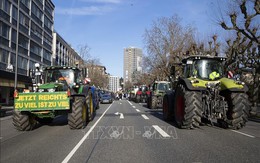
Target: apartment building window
column 24, row 20
column 12, row 59
column 46, row 55
column 22, row 62
column 3, row 55
column 14, row 33
column 36, row 11
column 15, row 13
column 5, row 5
column 32, row 65
column 4, row 30
column 23, row 41
column 36, row 30
column 48, row 9
column 47, row 39
column 47, row 22
column 25, row 2
column 35, row 48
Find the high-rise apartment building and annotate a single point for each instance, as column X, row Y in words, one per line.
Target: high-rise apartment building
column 113, row 83
column 132, row 63
column 26, row 28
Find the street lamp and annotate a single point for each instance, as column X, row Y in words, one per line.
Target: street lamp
column 16, row 47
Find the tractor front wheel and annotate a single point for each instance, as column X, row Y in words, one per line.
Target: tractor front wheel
column 90, row 109
column 187, row 108
column 238, row 110
column 78, row 117
column 154, row 102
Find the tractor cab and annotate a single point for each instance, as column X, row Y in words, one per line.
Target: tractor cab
column 58, row 78
column 65, row 75
column 204, row 67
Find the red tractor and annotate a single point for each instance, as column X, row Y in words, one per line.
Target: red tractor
column 142, row 94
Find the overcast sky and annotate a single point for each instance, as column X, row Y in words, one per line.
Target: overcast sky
column 109, row 26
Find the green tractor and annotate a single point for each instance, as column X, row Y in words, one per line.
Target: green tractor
column 57, row 91
column 204, row 95
column 157, row 91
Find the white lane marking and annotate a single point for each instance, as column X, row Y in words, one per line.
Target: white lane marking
column 68, row 157
column 144, row 116
column 133, row 106
column 163, row 133
column 130, row 103
column 251, row 136
column 137, row 110
column 121, row 115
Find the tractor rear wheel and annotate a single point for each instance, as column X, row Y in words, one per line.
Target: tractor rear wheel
column 187, row 108
column 78, row 117
column 238, row 110
column 23, row 121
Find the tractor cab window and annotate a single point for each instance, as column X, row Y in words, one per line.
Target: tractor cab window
column 65, row 76
column 163, row 86
column 208, row 69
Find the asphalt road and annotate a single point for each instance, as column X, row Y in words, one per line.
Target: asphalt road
column 128, row 132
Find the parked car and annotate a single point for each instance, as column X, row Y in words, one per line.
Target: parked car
column 106, row 98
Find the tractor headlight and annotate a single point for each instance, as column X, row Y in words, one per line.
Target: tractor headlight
column 240, row 83
column 51, row 90
column 41, row 90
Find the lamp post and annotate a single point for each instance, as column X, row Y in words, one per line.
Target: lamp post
column 16, row 47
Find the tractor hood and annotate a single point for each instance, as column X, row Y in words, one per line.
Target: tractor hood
column 51, row 85
column 225, row 84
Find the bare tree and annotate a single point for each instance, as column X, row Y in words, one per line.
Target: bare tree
column 211, row 47
column 95, row 71
column 243, row 50
column 83, row 51
column 166, row 43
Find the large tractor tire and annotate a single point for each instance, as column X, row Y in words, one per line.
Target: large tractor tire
column 187, row 108
column 23, row 121
column 168, row 107
column 154, row 102
column 77, row 119
column 238, row 110
column 90, row 109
